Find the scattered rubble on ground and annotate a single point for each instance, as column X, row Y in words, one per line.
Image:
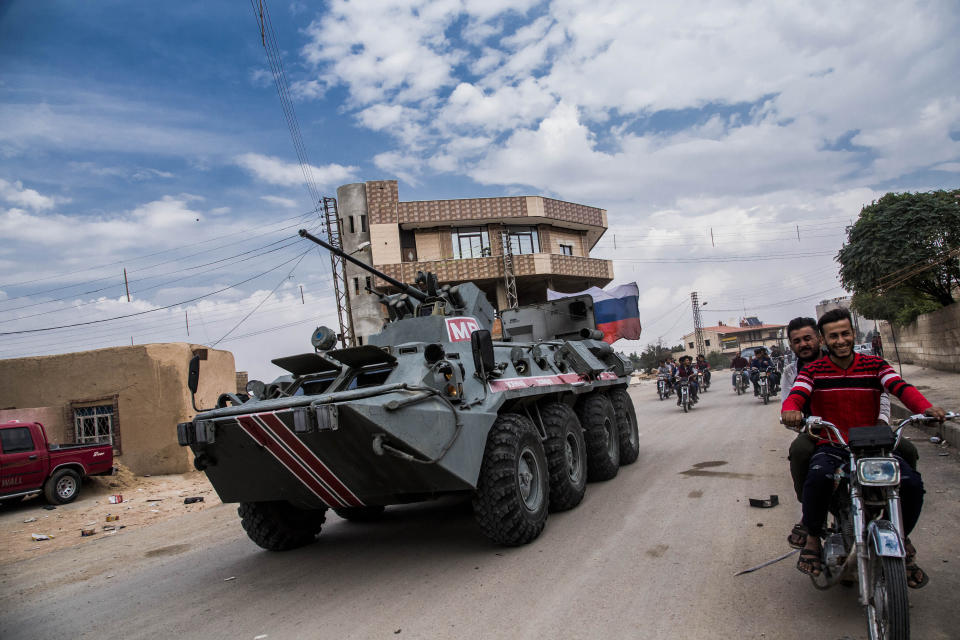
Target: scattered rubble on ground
column 63, row 527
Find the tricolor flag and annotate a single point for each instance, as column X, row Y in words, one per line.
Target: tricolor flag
column 616, row 311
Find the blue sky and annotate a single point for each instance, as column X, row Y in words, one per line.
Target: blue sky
column 151, row 137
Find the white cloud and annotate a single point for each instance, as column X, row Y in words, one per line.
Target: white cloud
column 275, row 171
column 280, row 201
column 16, row 194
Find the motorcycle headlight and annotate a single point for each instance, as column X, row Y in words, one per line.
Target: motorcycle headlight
column 878, row 472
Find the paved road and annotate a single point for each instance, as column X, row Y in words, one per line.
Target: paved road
column 650, row 554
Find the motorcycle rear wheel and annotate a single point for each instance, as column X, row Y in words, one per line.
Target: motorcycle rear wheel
column 888, row 614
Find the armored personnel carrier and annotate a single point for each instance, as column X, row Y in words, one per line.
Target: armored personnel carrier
column 431, row 406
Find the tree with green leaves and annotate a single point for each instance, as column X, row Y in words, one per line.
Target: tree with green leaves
column 902, row 255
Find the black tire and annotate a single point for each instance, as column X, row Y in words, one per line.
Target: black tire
column 601, row 435
column 766, row 394
column 566, row 454
column 626, row 426
column 660, row 392
column 279, row 526
column 62, row 487
column 889, row 598
column 512, row 496
column 368, row 513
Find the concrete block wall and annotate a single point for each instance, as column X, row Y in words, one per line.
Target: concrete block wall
column 932, row 340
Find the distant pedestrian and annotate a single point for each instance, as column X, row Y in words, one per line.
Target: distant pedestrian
column 877, row 345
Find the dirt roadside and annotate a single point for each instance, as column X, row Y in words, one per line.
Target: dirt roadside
column 147, row 500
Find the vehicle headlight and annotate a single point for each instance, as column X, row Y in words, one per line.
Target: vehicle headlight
column 878, row 472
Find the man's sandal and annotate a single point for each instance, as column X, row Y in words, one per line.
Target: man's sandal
column 917, row 578
column 798, row 536
column 809, row 562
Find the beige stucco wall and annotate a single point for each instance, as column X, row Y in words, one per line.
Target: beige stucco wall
column 50, row 417
column 560, row 236
column 149, row 382
column 428, row 245
column 385, row 243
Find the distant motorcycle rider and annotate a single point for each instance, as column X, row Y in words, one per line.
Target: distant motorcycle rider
column 703, row 367
column 738, row 363
column 761, row 362
column 688, row 371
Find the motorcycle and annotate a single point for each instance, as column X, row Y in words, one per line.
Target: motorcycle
column 741, row 384
column 763, row 382
column 684, row 397
column 864, row 539
column 663, row 386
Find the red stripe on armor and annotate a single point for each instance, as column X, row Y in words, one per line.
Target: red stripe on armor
column 255, row 431
column 309, row 458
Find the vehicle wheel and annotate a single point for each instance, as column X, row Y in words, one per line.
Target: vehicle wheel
column 660, row 392
column 766, row 396
column 566, row 454
column 627, row 426
column 62, row 487
column 888, row 616
column 279, row 526
column 512, row 496
column 601, row 435
column 369, row 513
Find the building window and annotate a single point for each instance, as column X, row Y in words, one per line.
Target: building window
column 353, row 228
column 359, row 341
column 706, row 342
column 566, row 249
column 523, row 239
column 94, row 424
column 356, row 286
column 369, row 283
column 363, row 224
column 470, row 242
column 691, row 345
column 16, row 440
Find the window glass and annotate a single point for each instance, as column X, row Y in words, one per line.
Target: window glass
column 94, row 424
column 523, row 240
column 566, row 249
column 16, row 440
column 470, row 242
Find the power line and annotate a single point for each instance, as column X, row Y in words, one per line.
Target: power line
column 140, row 313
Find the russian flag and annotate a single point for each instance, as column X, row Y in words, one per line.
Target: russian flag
column 616, row 312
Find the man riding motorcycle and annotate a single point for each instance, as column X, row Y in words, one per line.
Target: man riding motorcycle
column 844, row 388
column 762, row 362
column 703, row 367
column 804, row 340
column 738, row 363
column 687, row 370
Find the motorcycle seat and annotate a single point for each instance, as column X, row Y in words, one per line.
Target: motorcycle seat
column 880, row 436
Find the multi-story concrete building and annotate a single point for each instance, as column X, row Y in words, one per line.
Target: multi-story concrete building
column 728, row 339
column 463, row 240
column 861, row 325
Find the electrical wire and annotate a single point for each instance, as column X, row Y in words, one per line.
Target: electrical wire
column 140, row 313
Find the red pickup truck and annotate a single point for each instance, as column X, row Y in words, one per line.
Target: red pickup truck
column 29, row 464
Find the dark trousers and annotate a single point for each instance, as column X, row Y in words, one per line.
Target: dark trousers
column 803, row 446
column 818, row 488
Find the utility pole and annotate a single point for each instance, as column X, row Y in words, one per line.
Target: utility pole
column 341, row 291
column 697, row 325
column 509, row 275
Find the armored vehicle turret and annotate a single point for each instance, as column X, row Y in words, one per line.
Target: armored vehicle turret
column 431, row 406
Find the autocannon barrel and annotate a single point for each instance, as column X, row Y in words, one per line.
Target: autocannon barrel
column 413, row 292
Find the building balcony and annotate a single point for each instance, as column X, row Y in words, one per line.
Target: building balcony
column 559, row 272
